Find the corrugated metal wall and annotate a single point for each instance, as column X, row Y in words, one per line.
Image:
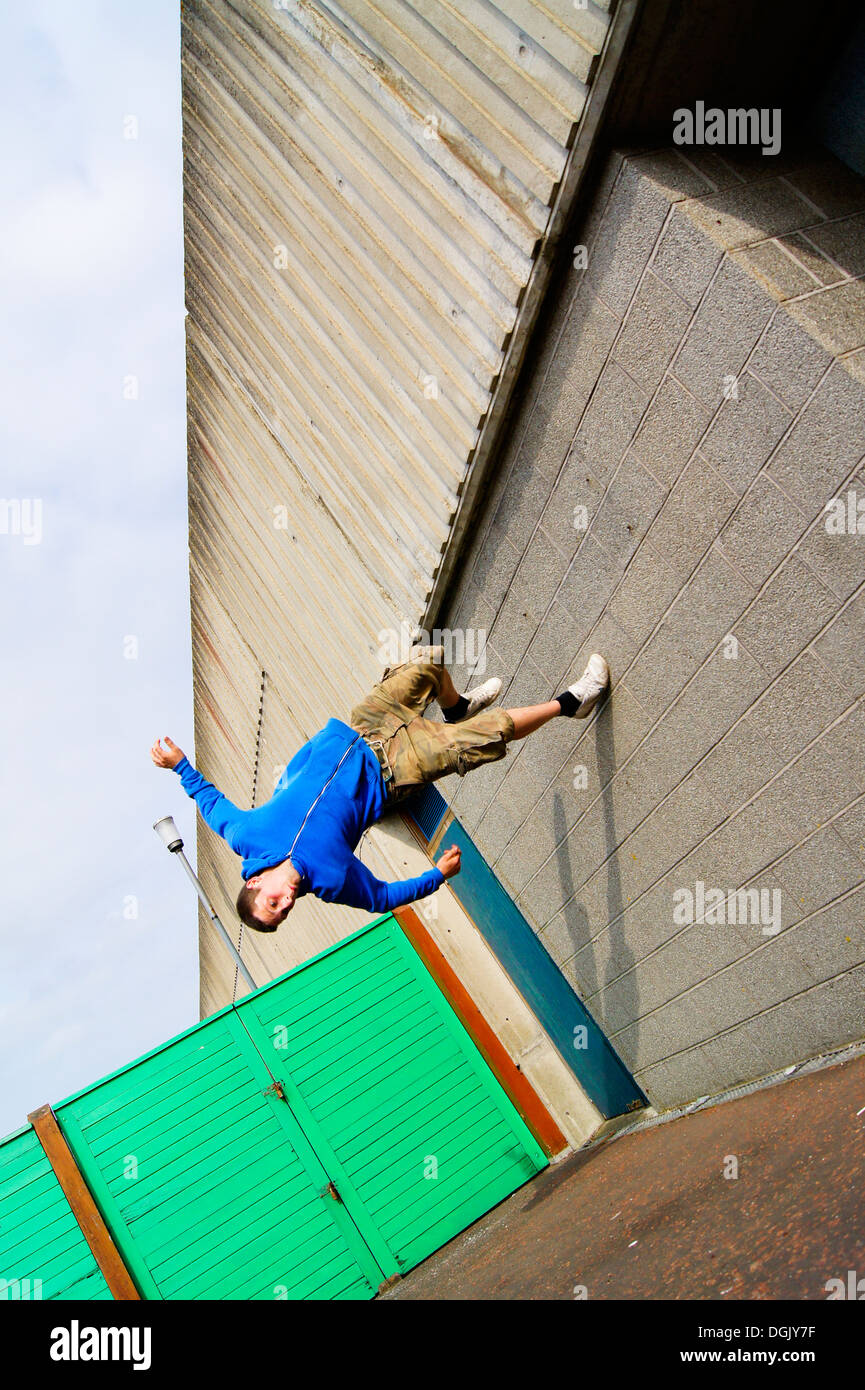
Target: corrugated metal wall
column 367, row 187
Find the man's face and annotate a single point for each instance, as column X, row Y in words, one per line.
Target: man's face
column 277, row 891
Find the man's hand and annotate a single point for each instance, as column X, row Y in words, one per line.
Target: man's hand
column 169, row 758
column 449, row 864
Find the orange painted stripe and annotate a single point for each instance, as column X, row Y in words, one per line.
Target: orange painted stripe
column 84, row 1209
column 507, row 1073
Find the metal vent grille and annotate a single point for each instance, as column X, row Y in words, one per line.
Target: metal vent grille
column 427, row 809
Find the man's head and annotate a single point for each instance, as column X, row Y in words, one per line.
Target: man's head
column 266, row 898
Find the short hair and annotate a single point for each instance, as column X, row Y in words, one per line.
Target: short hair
column 245, row 900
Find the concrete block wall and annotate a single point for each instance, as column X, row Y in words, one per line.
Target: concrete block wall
column 700, row 390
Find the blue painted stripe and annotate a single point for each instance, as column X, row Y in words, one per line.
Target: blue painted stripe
column 597, row 1067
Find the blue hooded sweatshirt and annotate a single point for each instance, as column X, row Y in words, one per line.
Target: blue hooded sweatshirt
column 324, row 851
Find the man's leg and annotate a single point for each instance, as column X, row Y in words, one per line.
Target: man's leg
column 427, row 749
column 530, row 717
column 422, row 750
column 455, row 706
column 448, row 693
column 526, row 719
column 577, row 701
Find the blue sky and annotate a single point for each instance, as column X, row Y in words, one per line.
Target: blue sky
column 91, row 286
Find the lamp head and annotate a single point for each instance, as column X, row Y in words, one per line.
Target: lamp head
column 168, row 833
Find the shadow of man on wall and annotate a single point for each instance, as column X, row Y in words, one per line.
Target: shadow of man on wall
column 584, row 934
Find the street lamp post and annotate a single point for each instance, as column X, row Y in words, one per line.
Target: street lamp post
column 170, row 837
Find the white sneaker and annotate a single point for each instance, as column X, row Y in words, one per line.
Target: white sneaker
column 482, row 696
column 591, row 685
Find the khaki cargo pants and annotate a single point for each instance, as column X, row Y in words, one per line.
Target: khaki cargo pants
column 419, row 750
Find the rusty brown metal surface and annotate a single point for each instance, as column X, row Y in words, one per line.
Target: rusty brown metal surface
column 652, row 1216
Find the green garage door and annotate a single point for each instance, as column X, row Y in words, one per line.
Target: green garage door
column 329, row 1131
column 43, row 1253
column 410, row 1122
column 206, row 1181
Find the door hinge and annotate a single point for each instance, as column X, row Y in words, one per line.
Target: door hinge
column 274, row 1089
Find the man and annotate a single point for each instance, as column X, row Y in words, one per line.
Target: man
column 342, row 780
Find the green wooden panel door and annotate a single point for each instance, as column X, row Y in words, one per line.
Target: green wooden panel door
column 43, row 1254
column 207, row 1183
column 395, row 1098
column 387, row 1135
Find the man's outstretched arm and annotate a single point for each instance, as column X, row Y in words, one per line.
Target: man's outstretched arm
column 363, row 889
column 216, row 810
